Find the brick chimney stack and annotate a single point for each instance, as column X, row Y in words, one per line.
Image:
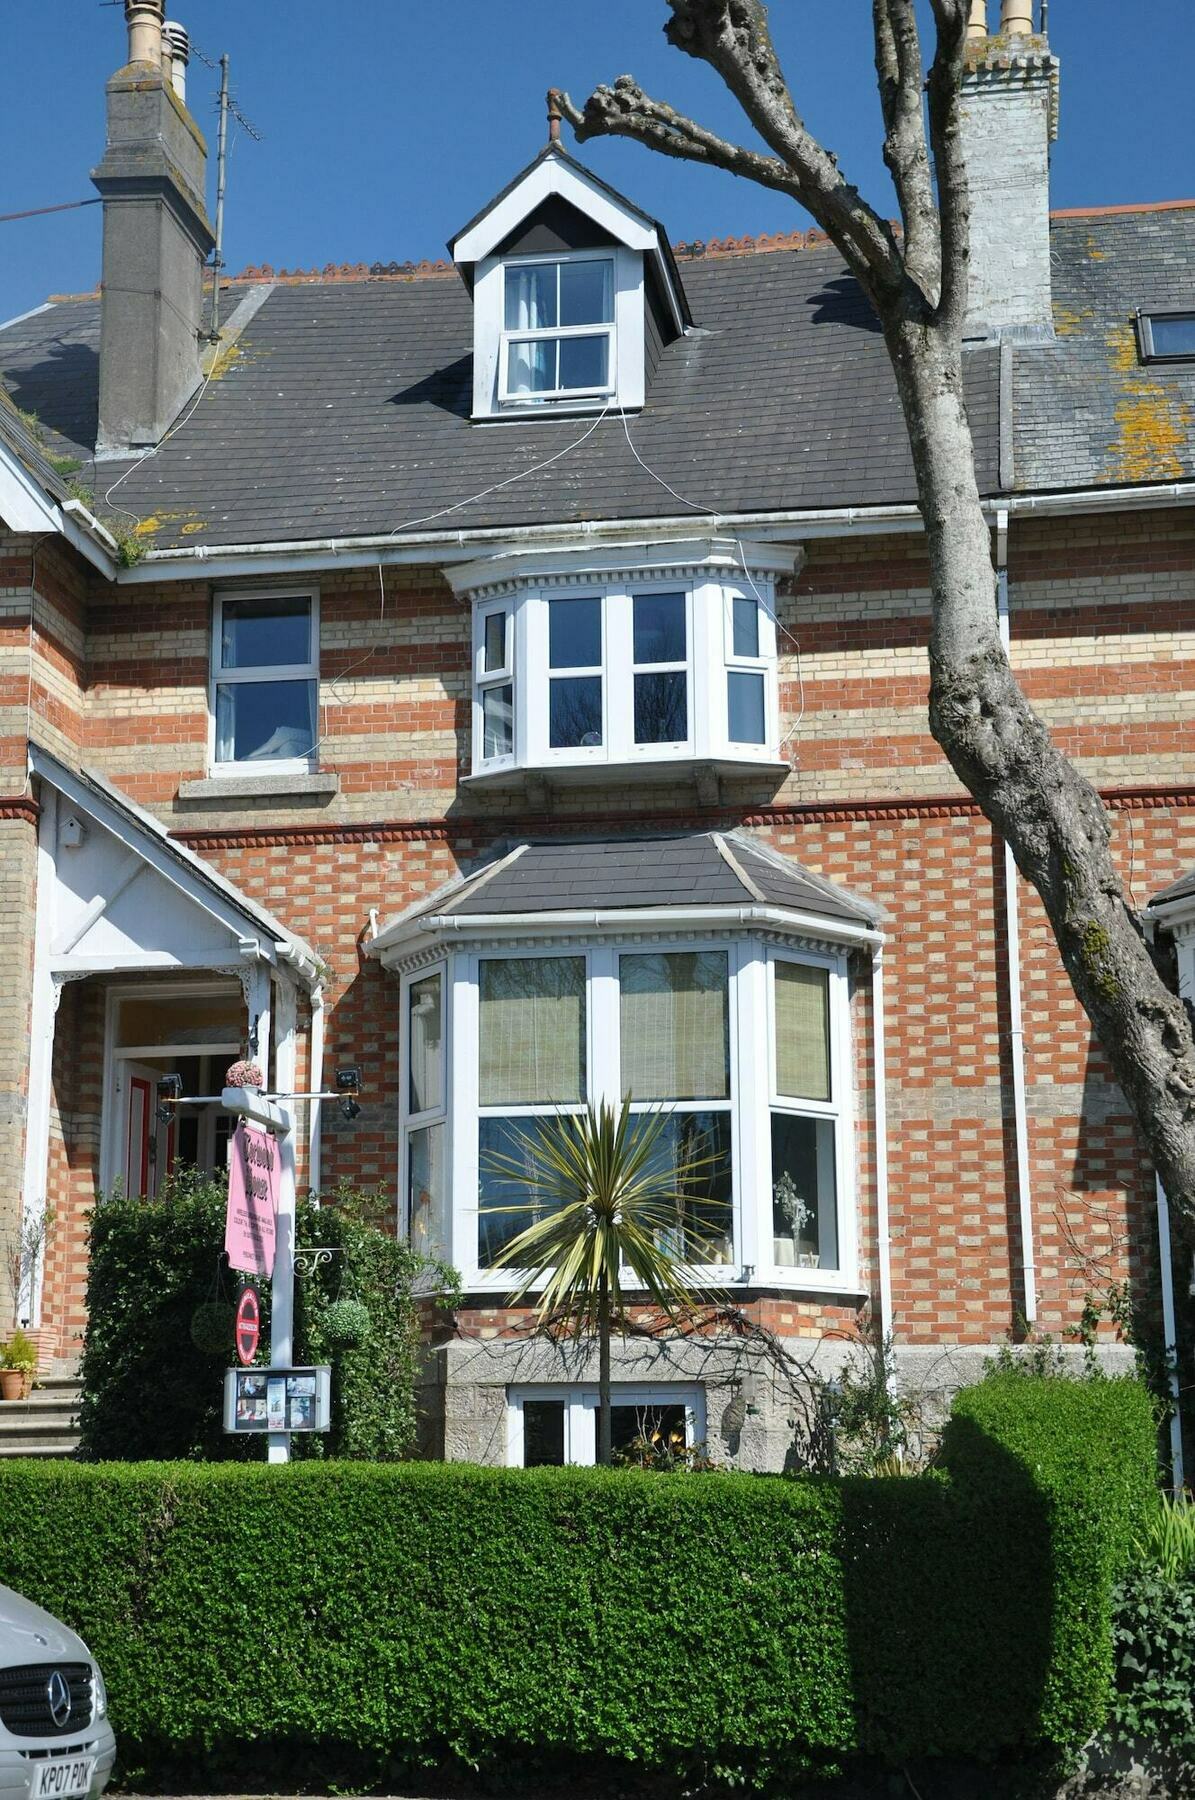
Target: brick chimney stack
column 156, row 241
column 1010, row 120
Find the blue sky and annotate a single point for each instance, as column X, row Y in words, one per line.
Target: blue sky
column 387, row 124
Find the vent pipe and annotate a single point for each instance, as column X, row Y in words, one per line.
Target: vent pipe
column 1016, row 18
column 977, row 23
column 144, row 20
column 176, row 54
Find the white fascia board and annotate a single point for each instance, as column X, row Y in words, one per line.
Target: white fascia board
column 518, row 563
column 401, row 941
column 195, row 879
column 25, row 507
column 1172, row 913
column 551, row 177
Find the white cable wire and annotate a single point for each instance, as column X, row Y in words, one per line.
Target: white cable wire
column 145, row 456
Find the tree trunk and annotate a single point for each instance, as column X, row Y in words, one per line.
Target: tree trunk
column 603, row 1443
column 1053, row 820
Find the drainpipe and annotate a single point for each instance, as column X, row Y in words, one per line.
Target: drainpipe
column 880, row 1103
column 1016, row 1018
column 317, row 1083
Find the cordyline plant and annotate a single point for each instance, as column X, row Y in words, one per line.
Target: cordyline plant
column 607, row 1209
column 916, row 280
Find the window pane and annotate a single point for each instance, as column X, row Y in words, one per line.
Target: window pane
column 498, row 721
column 531, row 366
column 257, row 634
column 701, row 1228
column 495, row 641
column 505, row 1208
column 802, row 1031
column 745, row 627
column 543, row 1434
column 662, row 708
column 531, row 297
column 265, row 721
column 585, row 362
column 675, row 1033
column 586, row 293
column 660, row 628
column 575, row 712
column 425, row 1090
column 1173, row 336
column 804, row 1211
column 427, row 1190
column 574, row 634
column 745, row 707
column 660, row 1429
column 532, row 1030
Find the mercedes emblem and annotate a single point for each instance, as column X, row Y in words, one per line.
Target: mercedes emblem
column 59, row 1696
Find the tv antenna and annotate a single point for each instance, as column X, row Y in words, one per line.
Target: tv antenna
column 225, row 105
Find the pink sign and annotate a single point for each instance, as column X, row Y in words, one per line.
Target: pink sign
column 252, row 1200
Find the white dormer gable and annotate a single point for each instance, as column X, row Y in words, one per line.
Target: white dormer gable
column 574, row 291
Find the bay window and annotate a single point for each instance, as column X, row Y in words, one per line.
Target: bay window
column 740, row 1046
column 265, row 682
column 635, row 669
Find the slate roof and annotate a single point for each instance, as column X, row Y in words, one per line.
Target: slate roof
column 1087, row 411
column 1182, row 889
column 343, row 410
column 681, row 869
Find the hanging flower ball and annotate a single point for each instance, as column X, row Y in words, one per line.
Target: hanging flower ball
column 243, row 1075
column 346, row 1324
column 213, row 1327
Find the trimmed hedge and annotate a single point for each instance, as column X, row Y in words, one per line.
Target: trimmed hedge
column 361, row 1620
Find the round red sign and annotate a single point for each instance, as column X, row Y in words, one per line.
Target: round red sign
column 248, row 1325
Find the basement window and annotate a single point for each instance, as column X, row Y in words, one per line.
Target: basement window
column 1166, row 336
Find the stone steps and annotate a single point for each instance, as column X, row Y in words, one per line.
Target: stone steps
column 44, row 1425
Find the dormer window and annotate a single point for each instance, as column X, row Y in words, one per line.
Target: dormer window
column 576, row 294
column 558, row 340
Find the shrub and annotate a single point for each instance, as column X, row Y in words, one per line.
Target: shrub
column 351, row 1622
column 157, row 1275
column 1154, row 1637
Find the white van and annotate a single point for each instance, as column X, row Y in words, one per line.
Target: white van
column 55, row 1739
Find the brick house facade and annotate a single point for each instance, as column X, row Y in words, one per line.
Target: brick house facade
column 161, row 895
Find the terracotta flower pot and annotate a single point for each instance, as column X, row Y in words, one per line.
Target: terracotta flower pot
column 12, row 1384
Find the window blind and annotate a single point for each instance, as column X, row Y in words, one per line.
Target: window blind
column 802, row 1031
column 532, row 1030
column 674, row 1031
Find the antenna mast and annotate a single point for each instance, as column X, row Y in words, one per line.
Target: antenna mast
column 221, row 181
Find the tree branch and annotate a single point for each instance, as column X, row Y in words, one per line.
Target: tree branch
column 954, row 197
column 899, row 72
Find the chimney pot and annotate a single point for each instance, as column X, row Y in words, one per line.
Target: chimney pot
column 977, row 23
column 144, row 20
column 176, row 54
column 1016, row 18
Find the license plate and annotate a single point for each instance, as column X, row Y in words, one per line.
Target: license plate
column 61, row 1776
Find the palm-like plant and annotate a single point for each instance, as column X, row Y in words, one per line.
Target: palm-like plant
column 608, row 1209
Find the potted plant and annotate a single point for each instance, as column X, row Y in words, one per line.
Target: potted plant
column 18, row 1366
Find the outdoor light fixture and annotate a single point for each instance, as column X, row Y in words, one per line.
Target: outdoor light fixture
column 170, row 1092
column 348, row 1086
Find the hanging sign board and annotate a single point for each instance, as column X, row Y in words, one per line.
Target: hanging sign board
column 263, row 1400
column 252, row 1200
column 248, row 1330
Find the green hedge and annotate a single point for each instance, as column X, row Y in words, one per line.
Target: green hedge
column 149, row 1392
column 353, row 1621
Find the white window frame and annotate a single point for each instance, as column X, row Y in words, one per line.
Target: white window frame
column 220, row 677
column 580, row 1402
column 409, row 1121
column 663, row 748
column 555, row 333
column 750, row 964
column 764, row 664
column 539, row 620
column 484, row 679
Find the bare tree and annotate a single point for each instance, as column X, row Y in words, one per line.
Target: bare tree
column 916, row 280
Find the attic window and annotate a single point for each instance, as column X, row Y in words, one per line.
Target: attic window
column 1167, row 336
column 558, row 329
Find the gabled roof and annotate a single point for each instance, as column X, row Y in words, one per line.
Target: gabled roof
column 580, row 881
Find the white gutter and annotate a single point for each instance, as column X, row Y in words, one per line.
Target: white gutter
column 402, row 938
column 316, row 1077
column 1012, row 915
column 880, row 1115
column 1088, row 500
